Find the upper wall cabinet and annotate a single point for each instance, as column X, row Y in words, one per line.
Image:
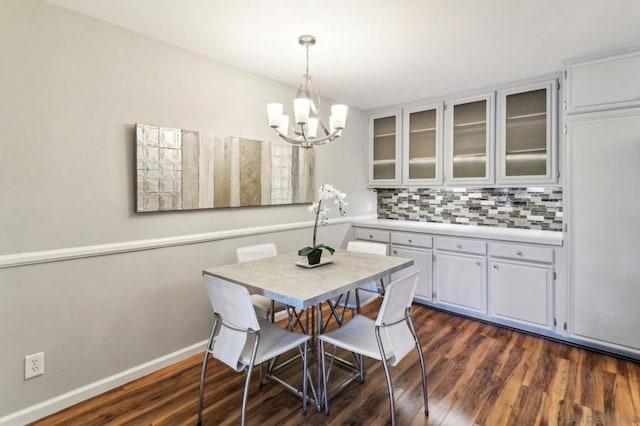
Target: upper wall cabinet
column 602, row 83
column 422, row 145
column 385, row 149
column 469, row 140
column 527, row 133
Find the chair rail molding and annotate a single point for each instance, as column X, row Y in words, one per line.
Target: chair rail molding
column 56, row 255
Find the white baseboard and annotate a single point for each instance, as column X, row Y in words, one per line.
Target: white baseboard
column 83, row 393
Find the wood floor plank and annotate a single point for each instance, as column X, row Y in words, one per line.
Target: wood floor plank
column 477, row 373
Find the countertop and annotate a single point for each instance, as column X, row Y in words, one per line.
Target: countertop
column 485, row 232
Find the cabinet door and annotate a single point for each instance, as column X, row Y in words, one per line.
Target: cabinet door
column 423, row 261
column 603, row 82
column 461, row 282
column 521, row 292
column 527, row 129
column 604, row 225
column 470, row 139
column 384, row 148
column 422, row 145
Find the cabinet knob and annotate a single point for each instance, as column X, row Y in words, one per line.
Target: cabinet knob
column 495, row 267
column 395, row 252
column 478, row 263
column 370, row 236
column 459, row 246
column 410, row 241
column 519, row 253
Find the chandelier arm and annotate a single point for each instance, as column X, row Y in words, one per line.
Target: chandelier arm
column 331, row 137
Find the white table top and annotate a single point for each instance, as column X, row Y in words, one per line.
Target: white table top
column 280, row 279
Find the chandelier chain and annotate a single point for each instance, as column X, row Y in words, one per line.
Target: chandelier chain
column 307, row 49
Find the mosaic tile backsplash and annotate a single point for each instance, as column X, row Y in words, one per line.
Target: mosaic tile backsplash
column 525, row 208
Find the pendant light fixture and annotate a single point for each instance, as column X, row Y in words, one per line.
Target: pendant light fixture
column 308, row 128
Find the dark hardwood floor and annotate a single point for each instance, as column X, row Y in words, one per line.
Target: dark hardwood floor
column 478, row 374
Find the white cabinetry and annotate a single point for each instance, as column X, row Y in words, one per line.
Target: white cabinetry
column 603, row 153
column 506, row 276
column 521, row 285
column 527, row 133
column 460, row 274
column 422, row 145
column 469, row 140
column 603, row 82
column 385, row 149
column 418, row 248
column 604, row 225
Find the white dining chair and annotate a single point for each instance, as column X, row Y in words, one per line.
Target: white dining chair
column 364, row 294
column 265, row 307
column 388, row 339
column 241, row 340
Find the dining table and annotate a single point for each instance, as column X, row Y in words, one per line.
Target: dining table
column 289, row 279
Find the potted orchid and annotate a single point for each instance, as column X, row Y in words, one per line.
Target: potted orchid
column 325, row 193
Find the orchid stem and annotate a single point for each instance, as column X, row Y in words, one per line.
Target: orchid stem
column 315, row 226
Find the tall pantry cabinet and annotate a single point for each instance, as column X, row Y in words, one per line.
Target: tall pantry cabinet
column 602, row 119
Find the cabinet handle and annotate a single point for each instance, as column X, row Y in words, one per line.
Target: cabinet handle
column 459, row 246
column 478, row 263
column 495, row 267
column 519, row 253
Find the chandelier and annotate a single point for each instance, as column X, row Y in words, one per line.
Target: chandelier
column 306, row 107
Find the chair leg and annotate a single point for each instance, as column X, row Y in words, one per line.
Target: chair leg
column 245, row 396
column 422, row 366
column 324, row 379
column 204, row 368
column 387, row 374
column 304, row 379
column 202, row 377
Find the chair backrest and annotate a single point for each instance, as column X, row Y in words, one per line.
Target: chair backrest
column 371, row 248
column 367, row 247
column 255, row 252
column 231, row 302
column 397, row 299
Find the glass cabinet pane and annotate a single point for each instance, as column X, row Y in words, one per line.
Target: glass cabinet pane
column 470, row 140
column 422, row 144
column 526, row 134
column 384, row 148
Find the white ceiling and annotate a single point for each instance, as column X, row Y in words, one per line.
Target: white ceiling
column 373, row 53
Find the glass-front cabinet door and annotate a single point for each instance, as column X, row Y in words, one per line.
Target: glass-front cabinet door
column 470, row 140
column 527, row 133
column 422, row 145
column 385, row 148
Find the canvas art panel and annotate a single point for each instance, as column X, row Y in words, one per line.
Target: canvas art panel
column 180, row 169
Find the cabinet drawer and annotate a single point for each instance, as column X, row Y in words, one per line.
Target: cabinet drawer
column 371, row 235
column 461, row 245
column 521, row 252
column 409, row 239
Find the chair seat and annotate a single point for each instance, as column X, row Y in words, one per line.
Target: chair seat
column 358, row 335
column 263, row 305
column 273, row 341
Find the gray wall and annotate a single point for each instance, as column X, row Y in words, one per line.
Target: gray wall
column 71, row 89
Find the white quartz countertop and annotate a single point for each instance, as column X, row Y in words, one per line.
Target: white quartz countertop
column 484, row 232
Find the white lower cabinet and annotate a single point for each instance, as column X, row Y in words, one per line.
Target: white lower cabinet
column 521, row 292
column 499, row 280
column 461, row 281
column 423, row 260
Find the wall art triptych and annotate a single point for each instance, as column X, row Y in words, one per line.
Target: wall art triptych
column 185, row 169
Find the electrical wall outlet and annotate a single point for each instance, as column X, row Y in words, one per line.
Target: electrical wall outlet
column 33, row 365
